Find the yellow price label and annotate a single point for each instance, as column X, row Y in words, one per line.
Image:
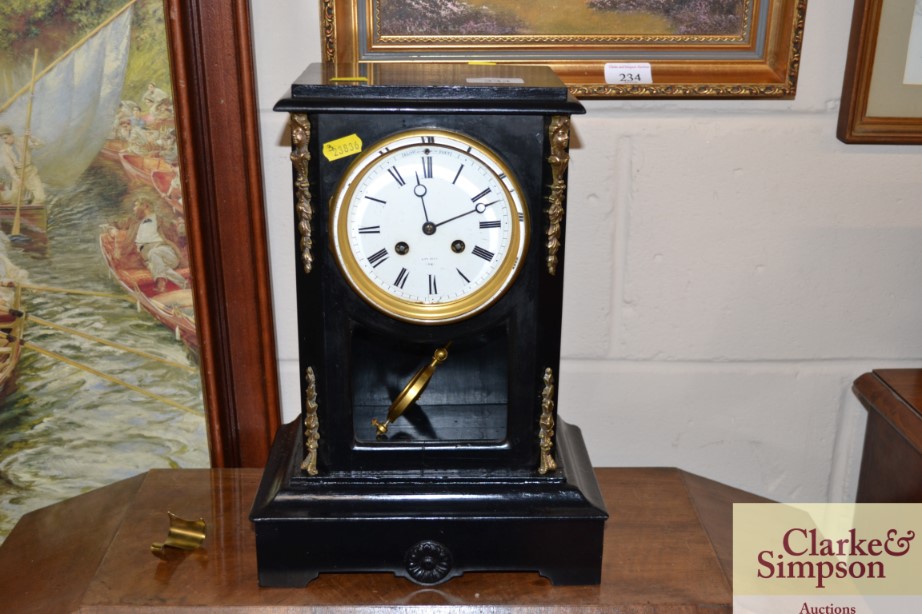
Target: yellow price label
column 342, row 147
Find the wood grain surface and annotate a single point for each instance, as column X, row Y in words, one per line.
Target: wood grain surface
column 667, row 549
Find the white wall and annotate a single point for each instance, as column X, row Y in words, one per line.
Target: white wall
column 731, row 269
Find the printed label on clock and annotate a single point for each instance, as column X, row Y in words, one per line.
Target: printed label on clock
column 628, row 74
column 342, row 147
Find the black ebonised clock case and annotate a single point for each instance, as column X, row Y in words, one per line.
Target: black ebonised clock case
column 461, row 490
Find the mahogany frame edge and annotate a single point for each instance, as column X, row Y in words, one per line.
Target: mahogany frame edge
column 854, row 125
column 211, row 60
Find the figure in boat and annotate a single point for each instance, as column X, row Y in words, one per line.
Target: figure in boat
column 139, row 268
column 137, row 119
column 12, row 315
column 169, row 150
column 16, row 160
column 153, row 97
column 160, row 255
column 162, row 113
column 11, row 276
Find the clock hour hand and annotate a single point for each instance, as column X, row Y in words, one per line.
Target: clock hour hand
column 478, row 208
column 412, row 390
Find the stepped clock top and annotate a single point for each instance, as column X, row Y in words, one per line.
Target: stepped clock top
column 431, row 81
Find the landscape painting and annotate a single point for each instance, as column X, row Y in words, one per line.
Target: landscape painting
column 99, row 375
column 694, row 48
column 599, row 20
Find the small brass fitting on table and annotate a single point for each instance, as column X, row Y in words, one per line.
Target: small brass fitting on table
column 183, row 535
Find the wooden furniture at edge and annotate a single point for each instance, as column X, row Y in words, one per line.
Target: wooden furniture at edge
column 667, row 549
column 891, row 464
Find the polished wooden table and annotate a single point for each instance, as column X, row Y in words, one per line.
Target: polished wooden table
column 891, row 463
column 667, row 549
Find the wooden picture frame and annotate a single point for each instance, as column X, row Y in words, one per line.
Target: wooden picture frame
column 760, row 61
column 211, row 61
column 877, row 107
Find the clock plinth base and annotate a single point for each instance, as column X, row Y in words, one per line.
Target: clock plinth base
column 428, row 528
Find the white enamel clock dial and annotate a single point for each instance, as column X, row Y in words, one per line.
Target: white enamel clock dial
column 429, row 227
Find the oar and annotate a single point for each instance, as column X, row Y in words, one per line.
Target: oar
column 15, row 235
column 56, row 290
column 112, row 344
column 110, row 378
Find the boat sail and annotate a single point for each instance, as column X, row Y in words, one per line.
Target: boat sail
column 74, row 101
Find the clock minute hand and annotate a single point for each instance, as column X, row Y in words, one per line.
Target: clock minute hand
column 420, row 190
column 412, row 390
column 478, row 208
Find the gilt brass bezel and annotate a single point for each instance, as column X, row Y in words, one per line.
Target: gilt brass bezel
column 417, row 312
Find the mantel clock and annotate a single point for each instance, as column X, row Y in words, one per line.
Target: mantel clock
column 429, row 204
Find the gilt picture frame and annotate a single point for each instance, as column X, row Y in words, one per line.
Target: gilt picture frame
column 882, row 88
column 742, row 49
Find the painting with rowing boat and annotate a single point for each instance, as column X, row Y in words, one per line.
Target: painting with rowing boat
column 99, row 377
